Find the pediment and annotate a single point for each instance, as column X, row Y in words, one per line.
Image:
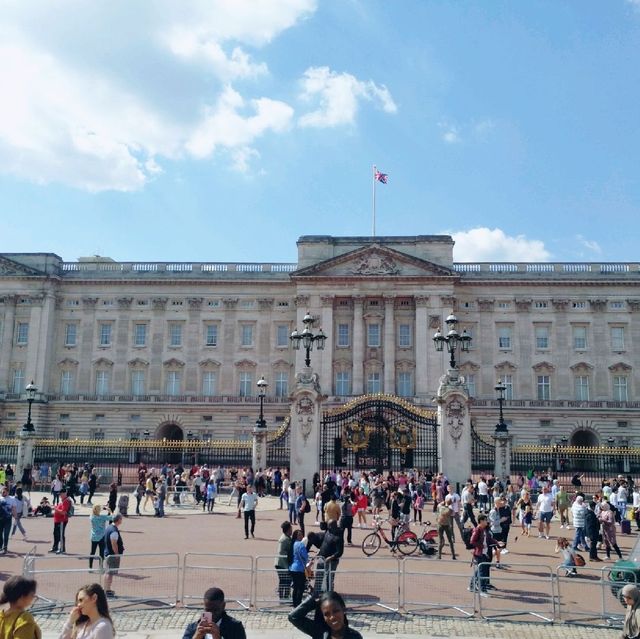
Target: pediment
column 209, row 363
column 173, row 363
column 374, row 261
column 137, row 362
column 67, row 361
column 10, row 267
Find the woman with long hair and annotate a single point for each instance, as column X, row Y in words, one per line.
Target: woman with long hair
column 16, row 621
column 90, row 617
column 98, row 519
column 330, row 619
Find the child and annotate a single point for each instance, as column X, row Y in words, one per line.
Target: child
column 318, row 500
column 527, row 520
column 568, row 556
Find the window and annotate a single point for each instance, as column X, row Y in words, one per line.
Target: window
column 17, row 381
column 70, row 334
column 578, row 305
column 343, row 336
column 211, row 335
column 105, row 334
column 544, row 387
column 140, row 335
column 471, row 384
column 246, row 384
column 504, row 304
column 64, row 417
column 373, row 335
column 134, row 417
column 507, row 382
column 137, row 383
column 98, row 435
column 617, row 305
column 405, row 384
column 208, row 383
column 623, row 424
column 66, row 382
column 343, row 383
column 102, row 382
column 581, row 383
column 504, row 337
column 404, row 336
column 282, row 384
column 99, row 417
column 282, row 335
column 172, row 384
column 22, row 333
column 540, row 304
column 373, row 383
column 542, row 337
column 580, row 338
column 246, row 335
column 617, row 338
column 620, row 388
column 175, row 334
column 63, row 435
column 545, row 423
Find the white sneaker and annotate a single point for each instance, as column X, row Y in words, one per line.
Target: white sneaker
column 546, row 536
column 504, row 551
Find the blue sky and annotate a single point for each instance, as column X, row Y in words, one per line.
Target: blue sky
column 223, row 130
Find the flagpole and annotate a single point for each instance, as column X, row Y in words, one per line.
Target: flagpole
column 374, row 199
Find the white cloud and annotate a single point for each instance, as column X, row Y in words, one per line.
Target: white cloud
column 224, row 125
column 338, row 95
column 591, row 245
column 485, row 245
column 451, row 135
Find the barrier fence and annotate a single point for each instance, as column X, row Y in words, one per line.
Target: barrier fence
column 415, row 585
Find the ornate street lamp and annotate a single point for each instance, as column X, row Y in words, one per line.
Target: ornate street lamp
column 31, row 391
column 500, row 388
column 452, row 339
column 308, row 338
column 262, row 391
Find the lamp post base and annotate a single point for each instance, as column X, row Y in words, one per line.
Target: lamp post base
column 26, row 446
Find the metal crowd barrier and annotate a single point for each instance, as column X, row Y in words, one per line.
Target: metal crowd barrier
column 364, row 588
column 145, row 578
column 438, row 585
column 521, row 590
column 577, row 595
column 233, row 573
column 60, row 577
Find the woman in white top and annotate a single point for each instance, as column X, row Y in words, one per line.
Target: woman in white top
column 90, row 618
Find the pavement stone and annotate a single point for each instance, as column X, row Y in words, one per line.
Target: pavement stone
column 163, row 624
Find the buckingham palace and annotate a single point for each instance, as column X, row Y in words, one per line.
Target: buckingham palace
column 133, row 350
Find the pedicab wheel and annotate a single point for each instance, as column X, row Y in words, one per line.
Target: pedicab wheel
column 371, row 544
column 407, row 542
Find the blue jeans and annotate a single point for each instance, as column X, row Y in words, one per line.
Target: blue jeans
column 579, row 539
column 480, row 577
column 293, row 515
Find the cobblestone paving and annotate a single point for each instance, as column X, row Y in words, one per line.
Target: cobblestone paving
column 392, row 624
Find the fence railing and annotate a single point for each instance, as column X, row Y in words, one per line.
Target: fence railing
column 419, row 586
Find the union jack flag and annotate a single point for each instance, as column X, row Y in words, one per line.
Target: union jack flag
column 381, row 177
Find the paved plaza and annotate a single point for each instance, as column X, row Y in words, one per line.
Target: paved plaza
column 186, row 529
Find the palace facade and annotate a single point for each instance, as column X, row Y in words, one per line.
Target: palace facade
column 150, row 350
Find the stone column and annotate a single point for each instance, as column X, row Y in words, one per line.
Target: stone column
column 454, row 432
column 26, row 445
column 8, row 337
column 503, row 441
column 358, row 347
column 306, row 416
column 326, row 323
column 259, row 452
column 421, row 342
column 389, row 347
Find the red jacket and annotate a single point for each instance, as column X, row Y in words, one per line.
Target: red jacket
column 60, row 512
column 477, row 541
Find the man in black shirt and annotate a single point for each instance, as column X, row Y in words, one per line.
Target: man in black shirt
column 331, row 551
column 221, row 625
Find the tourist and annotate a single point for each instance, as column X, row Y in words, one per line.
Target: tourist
column 562, row 504
column 113, row 550
column 467, row 499
column 214, row 621
column 43, row 508
column 346, row 517
column 300, row 557
column 60, row 521
column 90, row 618
column 456, row 507
column 161, row 496
column 592, row 531
column 362, row 505
column 283, row 561
column 16, row 621
column 545, row 507
column 149, row 491
column 302, row 507
column 332, row 509
column 330, row 619
column 93, row 485
column 248, row 504
column 444, row 515
column 483, row 543
column 21, row 505
column 331, row 550
column 578, row 511
column 56, row 488
column 210, row 495
column 608, row 521
column 631, row 596
column 291, row 502
column 568, row 556
column 98, row 520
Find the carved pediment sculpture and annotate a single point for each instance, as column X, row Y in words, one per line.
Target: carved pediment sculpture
column 374, row 263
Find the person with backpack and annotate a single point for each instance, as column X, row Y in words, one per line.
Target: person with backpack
column 61, row 513
column 445, row 525
column 482, row 543
column 302, row 508
column 346, row 517
column 6, row 519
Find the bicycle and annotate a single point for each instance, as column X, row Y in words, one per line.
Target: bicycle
column 404, row 540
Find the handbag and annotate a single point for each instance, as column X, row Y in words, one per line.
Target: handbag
column 308, row 572
column 579, row 559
